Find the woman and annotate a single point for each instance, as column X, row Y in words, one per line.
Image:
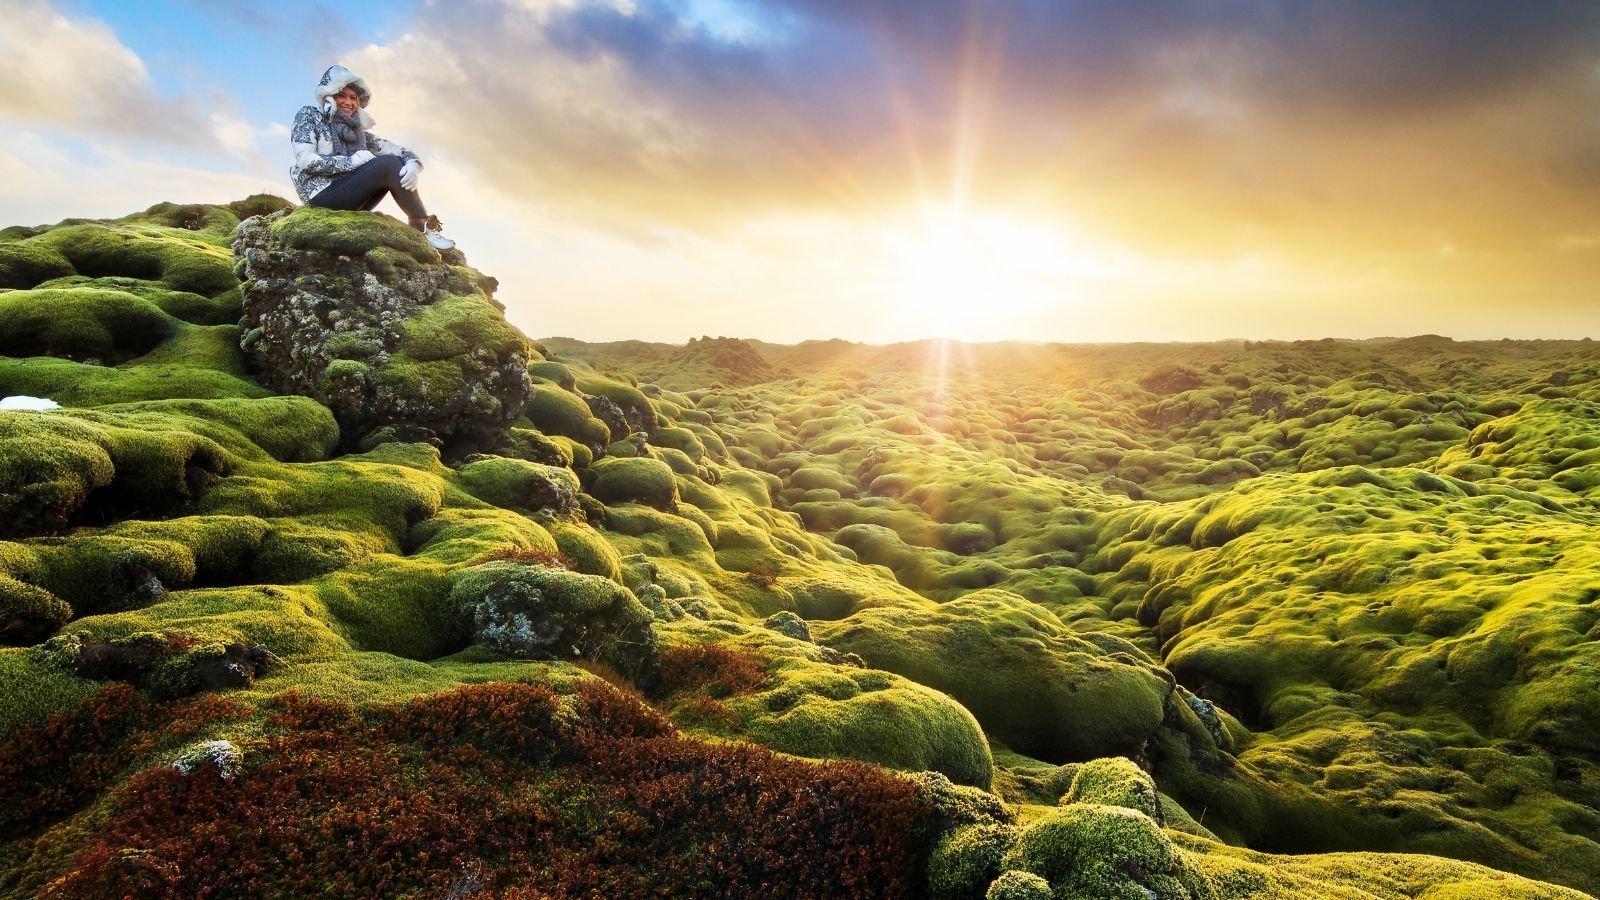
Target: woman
column 339, row 164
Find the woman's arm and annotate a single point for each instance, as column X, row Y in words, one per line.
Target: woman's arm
column 303, row 139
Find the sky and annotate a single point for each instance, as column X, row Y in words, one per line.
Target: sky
column 1140, row 170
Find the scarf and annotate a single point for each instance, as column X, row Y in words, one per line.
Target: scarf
column 349, row 135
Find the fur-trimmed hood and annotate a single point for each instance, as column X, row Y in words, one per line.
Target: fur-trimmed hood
column 336, row 79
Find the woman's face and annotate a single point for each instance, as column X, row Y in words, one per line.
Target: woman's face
column 347, row 100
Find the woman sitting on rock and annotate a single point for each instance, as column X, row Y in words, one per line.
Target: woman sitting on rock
column 338, row 164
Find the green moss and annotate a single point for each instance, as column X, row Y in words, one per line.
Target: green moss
column 54, row 460
column 589, row 551
column 29, row 614
column 555, row 373
column 391, row 265
column 660, row 534
column 109, row 572
column 367, row 493
column 531, row 445
column 48, row 466
column 813, row 708
column 639, row 480
column 1398, row 605
column 77, row 384
column 966, row 862
column 80, row 324
column 681, row 439
column 1097, row 852
column 1035, row 685
column 181, row 260
column 635, row 405
column 393, row 605
column 680, row 464
column 827, row 599
column 290, row 622
column 582, row 455
column 50, row 690
column 25, row 264
column 558, row 412
column 540, row 612
column 753, row 487
column 1114, row 781
column 1018, row 885
column 352, row 234
column 294, row 551
column 464, row 535
column 193, row 216
column 288, row 429
column 1233, row 872
column 518, row 483
column 258, row 205
column 455, row 325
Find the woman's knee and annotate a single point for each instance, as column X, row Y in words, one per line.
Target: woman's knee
column 388, row 162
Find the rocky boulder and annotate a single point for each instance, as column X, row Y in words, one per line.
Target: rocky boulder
column 170, row 665
column 538, row 612
column 358, row 312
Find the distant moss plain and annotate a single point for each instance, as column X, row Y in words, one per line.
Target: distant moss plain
column 1338, row 598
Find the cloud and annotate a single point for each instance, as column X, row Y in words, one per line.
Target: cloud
column 1250, row 113
column 756, row 167
column 75, row 74
column 106, row 180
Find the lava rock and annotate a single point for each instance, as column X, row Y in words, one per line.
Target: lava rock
column 537, row 612
column 169, row 665
column 358, row 312
column 787, row 623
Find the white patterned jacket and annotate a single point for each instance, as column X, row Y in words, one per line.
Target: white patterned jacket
column 315, row 164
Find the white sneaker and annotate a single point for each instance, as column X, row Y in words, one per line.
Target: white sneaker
column 434, row 232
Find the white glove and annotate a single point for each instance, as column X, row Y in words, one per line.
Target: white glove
column 360, row 158
column 409, row 173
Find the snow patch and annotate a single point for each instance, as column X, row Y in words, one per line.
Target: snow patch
column 22, row 401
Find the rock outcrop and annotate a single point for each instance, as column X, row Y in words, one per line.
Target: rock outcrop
column 538, row 612
column 358, row 312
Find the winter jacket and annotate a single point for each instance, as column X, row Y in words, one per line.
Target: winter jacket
column 315, row 165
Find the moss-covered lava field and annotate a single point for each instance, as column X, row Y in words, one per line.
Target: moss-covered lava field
column 321, row 579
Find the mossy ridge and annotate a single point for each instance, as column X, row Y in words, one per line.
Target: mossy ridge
column 77, row 384
column 1356, row 602
column 287, row 429
column 1235, row 872
column 196, row 309
column 1034, row 684
column 55, row 462
column 1106, row 840
column 183, row 260
column 82, row 324
column 802, row 703
column 148, row 314
column 341, row 233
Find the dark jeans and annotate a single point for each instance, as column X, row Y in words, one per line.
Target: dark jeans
column 364, row 188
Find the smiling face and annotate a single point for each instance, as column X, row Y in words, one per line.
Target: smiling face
column 347, row 100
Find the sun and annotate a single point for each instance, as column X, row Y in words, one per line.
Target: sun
column 974, row 275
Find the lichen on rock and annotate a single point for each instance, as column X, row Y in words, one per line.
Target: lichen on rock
column 358, row 312
column 538, row 612
column 219, row 756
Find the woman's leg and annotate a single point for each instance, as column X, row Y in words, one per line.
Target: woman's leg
column 365, row 187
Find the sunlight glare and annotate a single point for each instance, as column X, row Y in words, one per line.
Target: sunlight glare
column 966, row 274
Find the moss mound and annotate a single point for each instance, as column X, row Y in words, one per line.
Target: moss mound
column 1034, row 684
column 538, row 612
